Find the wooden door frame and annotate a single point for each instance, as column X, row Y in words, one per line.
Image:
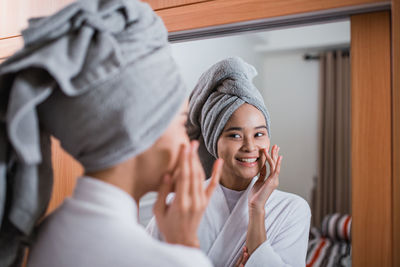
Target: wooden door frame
column 221, row 17
column 371, row 140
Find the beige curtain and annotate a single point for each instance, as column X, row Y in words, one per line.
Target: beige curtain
column 332, row 191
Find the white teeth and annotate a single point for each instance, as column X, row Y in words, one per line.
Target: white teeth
column 249, row 160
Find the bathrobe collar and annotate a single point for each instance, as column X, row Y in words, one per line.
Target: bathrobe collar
column 106, row 196
column 222, row 235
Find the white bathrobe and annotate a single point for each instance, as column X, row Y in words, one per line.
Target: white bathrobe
column 98, row 227
column 223, row 234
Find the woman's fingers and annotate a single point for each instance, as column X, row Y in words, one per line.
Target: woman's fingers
column 274, row 153
column 277, row 169
column 274, row 158
column 215, row 177
column 239, row 261
column 277, row 148
column 182, row 177
column 160, row 205
column 270, row 161
column 201, row 176
column 246, row 256
column 195, row 176
column 275, row 162
column 278, row 165
column 274, row 177
column 263, row 172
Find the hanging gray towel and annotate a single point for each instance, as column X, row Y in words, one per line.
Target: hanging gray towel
column 99, row 76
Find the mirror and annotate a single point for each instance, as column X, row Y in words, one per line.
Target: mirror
column 303, row 76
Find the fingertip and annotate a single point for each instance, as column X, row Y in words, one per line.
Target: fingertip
column 187, row 150
column 218, row 165
column 194, row 145
column 183, row 152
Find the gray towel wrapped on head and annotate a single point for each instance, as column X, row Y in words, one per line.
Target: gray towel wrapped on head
column 99, row 76
column 220, row 91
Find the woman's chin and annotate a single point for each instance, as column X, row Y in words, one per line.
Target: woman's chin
column 248, row 175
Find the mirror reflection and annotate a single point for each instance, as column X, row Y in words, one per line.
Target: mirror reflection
column 303, row 83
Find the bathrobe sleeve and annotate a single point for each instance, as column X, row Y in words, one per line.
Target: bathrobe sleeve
column 289, row 247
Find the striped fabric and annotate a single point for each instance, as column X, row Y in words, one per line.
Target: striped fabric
column 330, row 247
column 337, row 227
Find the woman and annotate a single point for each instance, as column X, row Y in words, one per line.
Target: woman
column 86, row 75
column 247, row 221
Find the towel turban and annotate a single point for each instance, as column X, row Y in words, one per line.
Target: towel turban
column 220, row 91
column 99, row 76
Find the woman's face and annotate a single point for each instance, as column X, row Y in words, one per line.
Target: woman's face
column 241, row 142
column 161, row 157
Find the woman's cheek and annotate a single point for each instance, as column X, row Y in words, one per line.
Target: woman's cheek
column 175, row 147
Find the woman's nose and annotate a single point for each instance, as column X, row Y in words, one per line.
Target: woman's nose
column 249, row 145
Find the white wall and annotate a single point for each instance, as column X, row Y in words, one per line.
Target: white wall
column 195, row 57
column 291, row 94
column 331, row 34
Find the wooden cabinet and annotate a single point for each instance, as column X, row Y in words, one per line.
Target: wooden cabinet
column 165, row 4
column 14, row 14
column 66, row 170
column 219, row 12
column 8, row 46
column 371, row 140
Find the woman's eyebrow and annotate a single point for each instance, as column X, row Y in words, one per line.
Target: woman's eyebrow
column 233, row 129
column 261, row 127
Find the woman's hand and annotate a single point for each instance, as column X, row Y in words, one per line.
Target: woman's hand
column 179, row 220
column 243, row 258
column 259, row 194
column 263, row 188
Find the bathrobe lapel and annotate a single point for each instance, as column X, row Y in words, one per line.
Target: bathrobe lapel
column 223, row 234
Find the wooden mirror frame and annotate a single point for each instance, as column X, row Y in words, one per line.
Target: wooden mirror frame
column 375, row 93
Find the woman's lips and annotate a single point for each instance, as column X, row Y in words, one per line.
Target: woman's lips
column 247, row 162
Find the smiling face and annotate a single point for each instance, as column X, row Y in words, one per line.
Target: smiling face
column 240, row 146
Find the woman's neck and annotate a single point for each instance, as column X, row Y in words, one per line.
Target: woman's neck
column 234, row 182
column 123, row 177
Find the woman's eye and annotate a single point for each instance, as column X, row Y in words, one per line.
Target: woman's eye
column 259, row 134
column 234, row 135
